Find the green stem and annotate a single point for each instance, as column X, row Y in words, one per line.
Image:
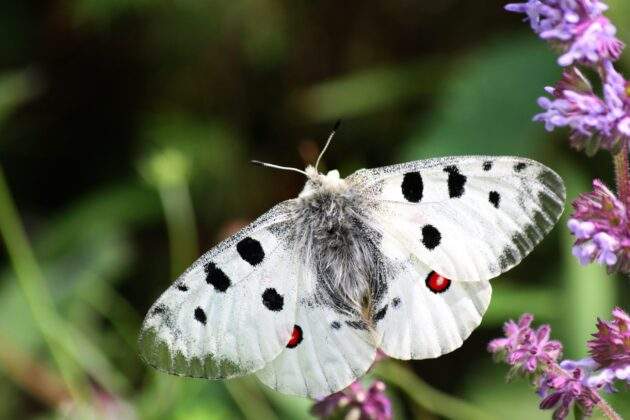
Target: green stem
column 425, row 395
column 180, row 222
column 33, row 285
column 621, row 173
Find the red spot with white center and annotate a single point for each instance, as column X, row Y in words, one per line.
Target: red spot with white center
column 296, row 337
column 437, row 283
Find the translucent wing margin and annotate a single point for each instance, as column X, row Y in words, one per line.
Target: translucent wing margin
column 232, row 311
column 468, row 218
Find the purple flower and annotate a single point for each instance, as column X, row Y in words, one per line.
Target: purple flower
column 610, row 354
column 600, row 224
column 561, row 389
column 514, row 334
column 524, row 347
column 603, row 122
column 610, row 347
column 356, row 402
column 578, row 27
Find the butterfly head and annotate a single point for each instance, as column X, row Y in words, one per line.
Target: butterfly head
column 319, row 182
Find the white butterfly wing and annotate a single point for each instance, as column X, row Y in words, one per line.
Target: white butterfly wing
column 425, row 315
column 467, row 218
column 326, row 354
column 232, row 311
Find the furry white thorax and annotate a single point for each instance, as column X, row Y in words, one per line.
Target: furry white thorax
column 334, row 239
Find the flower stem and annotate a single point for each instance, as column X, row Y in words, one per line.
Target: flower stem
column 621, row 173
column 605, row 408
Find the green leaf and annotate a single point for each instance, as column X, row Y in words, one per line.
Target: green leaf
column 619, row 14
column 488, row 103
column 15, row 89
column 369, row 90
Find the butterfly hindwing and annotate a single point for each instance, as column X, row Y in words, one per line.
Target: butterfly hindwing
column 232, row 311
column 467, row 218
column 425, row 315
column 326, row 354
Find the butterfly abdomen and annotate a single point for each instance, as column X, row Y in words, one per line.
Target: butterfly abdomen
column 343, row 251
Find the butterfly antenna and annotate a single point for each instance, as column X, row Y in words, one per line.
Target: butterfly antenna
column 330, row 137
column 283, row 168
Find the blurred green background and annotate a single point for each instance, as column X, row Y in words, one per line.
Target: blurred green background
column 126, row 128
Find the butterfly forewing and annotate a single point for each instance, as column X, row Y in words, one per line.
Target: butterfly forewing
column 467, row 218
column 232, row 312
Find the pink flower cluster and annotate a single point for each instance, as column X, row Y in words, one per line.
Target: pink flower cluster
column 578, row 27
column 526, row 348
column 585, row 36
column 594, row 122
column 601, row 226
column 530, row 351
column 356, row 402
column 610, row 350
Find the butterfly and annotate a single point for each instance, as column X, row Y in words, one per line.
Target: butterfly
column 396, row 258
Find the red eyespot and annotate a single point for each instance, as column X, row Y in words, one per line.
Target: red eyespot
column 296, row 337
column 437, row 283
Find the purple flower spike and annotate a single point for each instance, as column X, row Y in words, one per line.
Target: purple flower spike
column 610, row 349
column 577, row 26
column 610, row 354
column 601, row 226
column 575, row 105
column 524, row 347
column 356, row 402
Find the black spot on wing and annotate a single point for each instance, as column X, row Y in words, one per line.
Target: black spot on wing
column 335, row 325
column 182, row 287
column 456, row 181
column 250, row 250
column 412, row 187
column 494, row 198
column 272, row 300
column 396, row 302
column 216, row 277
column 380, row 314
column 200, row 315
column 520, row 166
column 431, row 237
column 159, row 309
column 487, row 165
